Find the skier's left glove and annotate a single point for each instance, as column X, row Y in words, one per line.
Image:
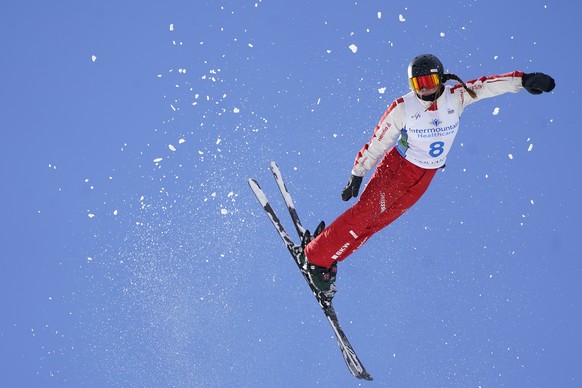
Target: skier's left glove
column 536, row 83
column 352, row 188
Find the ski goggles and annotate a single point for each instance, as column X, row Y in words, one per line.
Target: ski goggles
column 428, row 81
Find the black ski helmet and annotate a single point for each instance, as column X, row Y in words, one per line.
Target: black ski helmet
column 425, row 64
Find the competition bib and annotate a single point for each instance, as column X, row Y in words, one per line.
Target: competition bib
column 428, row 135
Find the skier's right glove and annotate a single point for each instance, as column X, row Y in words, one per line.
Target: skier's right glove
column 536, row 83
column 352, row 188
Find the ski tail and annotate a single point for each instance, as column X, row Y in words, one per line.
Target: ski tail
column 287, row 198
column 304, row 235
column 259, row 193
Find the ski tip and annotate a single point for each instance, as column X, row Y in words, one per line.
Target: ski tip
column 360, row 372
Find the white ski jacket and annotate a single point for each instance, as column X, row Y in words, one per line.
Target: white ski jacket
column 425, row 130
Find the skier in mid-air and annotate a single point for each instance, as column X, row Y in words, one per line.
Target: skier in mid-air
column 412, row 139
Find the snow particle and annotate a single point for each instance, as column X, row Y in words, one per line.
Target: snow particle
column 236, row 110
column 158, row 160
column 171, row 147
column 510, row 156
column 172, row 27
column 530, row 148
column 379, row 15
column 354, row 48
column 495, row 111
column 93, row 58
column 382, row 90
column 401, row 18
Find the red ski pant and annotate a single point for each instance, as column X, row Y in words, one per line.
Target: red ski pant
column 394, row 187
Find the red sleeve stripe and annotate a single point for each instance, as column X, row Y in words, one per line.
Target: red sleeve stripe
column 386, row 113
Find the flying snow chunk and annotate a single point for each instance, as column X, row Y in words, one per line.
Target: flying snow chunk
column 379, row 15
column 530, row 148
column 236, row 110
column 401, row 18
column 172, row 27
column 442, row 34
column 181, row 141
column 510, row 156
column 158, row 160
column 223, row 212
column 354, row 48
column 93, row 58
column 382, row 90
column 171, row 147
column 495, row 111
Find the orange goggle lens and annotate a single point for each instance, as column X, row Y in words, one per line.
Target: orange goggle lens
column 427, row 81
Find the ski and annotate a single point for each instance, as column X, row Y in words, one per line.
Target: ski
column 287, row 198
column 325, row 301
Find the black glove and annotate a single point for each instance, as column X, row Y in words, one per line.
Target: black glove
column 536, row 83
column 352, row 188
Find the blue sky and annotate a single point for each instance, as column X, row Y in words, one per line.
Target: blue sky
column 134, row 254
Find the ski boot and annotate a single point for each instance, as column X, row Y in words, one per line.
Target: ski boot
column 323, row 279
